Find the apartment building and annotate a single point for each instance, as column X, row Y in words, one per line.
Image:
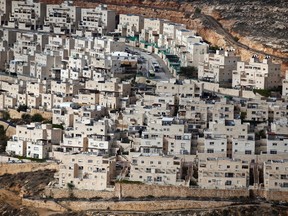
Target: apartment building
column 39, row 87
column 276, row 175
column 34, row 140
column 156, row 169
column 176, row 139
column 185, row 88
column 223, row 173
column 59, row 46
column 87, row 171
column 182, row 34
column 243, row 146
column 200, row 111
column 27, row 15
column 151, row 142
column 2, row 97
column 46, row 101
column 38, row 149
column 280, row 127
column 190, row 49
column 26, row 44
column 13, row 89
column 285, row 85
column 100, row 144
column 8, row 38
column 19, row 67
column 221, row 133
column 218, row 67
column 276, row 144
column 68, row 88
column 6, row 8
column 86, row 97
column 4, row 59
column 277, row 110
column 194, row 54
column 75, row 137
column 169, row 29
column 110, row 100
column 151, row 30
column 112, row 85
column 130, row 25
column 16, row 147
column 9, row 101
column 63, row 116
column 194, row 110
column 99, row 20
column 133, row 115
column 256, row 74
column 62, row 18
column 33, row 101
column 42, row 66
column 257, row 110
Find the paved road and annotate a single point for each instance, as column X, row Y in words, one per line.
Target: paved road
column 164, row 74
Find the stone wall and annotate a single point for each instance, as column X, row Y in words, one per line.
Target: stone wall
column 13, row 168
column 43, row 204
column 270, row 195
column 247, row 94
column 143, row 206
column 14, row 114
column 58, row 193
column 143, row 190
column 230, row 92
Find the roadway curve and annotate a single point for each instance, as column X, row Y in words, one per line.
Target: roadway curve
column 210, row 20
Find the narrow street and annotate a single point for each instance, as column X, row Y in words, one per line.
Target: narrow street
column 163, row 75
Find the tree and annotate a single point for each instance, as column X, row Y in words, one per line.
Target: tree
column 189, row 72
column 37, row 118
column 22, row 108
column 58, row 126
column 197, row 10
column 3, row 139
column 26, row 117
column 70, row 187
column 5, row 115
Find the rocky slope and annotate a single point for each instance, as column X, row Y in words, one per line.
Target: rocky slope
column 27, row 184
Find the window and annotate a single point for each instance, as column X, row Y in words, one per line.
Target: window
column 229, row 175
column 210, row 150
column 273, row 152
column 248, row 152
column 228, row 182
column 159, row 179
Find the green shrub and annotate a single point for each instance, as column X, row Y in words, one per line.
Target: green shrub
column 37, row 118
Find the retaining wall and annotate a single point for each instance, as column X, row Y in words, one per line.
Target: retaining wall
column 7, row 168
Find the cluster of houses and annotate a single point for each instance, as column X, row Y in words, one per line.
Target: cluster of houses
column 73, row 63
